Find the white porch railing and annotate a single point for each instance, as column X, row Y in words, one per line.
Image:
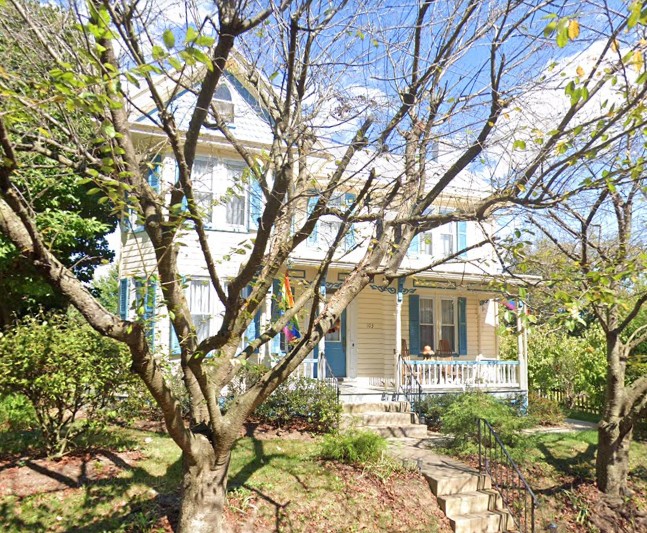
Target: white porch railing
column 465, row 374
column 312, row 368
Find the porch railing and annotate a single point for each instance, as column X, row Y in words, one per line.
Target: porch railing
column 466, row 374
column 507, row 479
column 318, row 369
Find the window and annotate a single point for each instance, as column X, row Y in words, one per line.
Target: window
column 236, row 200
column 223, row 103
column 447, row 239
column 327, row 228
column 439, row 322
column 427, row 323
column 426, row 243
column 202, row 178
column 448, row 323
column 199, row 297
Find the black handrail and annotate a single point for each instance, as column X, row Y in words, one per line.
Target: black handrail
column 330, row 379
column 411, row 386
column 517, row 496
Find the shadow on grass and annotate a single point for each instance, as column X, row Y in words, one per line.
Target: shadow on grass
column 107, row 504
column 578, row 464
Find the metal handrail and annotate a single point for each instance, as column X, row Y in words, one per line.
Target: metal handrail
column 497, row 463
column 411, row 381
column 328, row 377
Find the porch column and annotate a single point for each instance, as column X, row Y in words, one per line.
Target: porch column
column 398, row 331
column 522, row 347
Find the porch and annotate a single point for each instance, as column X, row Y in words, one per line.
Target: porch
column 429, row 376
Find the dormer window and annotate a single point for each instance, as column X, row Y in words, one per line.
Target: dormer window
column 224, row 104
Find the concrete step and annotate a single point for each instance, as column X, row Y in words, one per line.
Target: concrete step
column 377, row 419
column 376, row 407
column 416, row 431
column 449, row 481
column 483, row 522
column 470, row 502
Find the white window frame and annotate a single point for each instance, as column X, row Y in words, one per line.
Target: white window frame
column 427, row 324
column 454, row 325
column 203, row 318
column 448, row 230
column 203, row 189
column 233, row 172
column 426, row 243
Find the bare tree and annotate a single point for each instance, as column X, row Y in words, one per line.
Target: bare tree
column 349, row 104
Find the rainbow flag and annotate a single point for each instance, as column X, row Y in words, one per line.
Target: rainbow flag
column 291, row 330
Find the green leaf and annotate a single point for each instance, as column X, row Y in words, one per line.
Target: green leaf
column 634, row 14
column 519, row 145
column 175, row 62
column 204, row 40
column 191, row 35
column 169, row 39
column 158, row 53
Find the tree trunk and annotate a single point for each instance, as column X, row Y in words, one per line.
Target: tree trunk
column 204, row 492
column 612, row 461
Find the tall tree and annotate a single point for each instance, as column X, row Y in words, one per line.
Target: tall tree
column 403, row 113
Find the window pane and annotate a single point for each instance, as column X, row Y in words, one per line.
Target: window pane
column 426, row 311
column 426, row 336
column 425, row 244
column 447, row 308
column 447, row 242
column 236, row 211
column 199, row 297
column 447, row 333
column 201, row 323
column 201, row 174
column 204, row 202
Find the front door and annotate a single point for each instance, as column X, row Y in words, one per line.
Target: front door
column 336, row 347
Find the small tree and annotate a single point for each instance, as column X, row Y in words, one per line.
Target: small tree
column 601, row 252
column 64, row 368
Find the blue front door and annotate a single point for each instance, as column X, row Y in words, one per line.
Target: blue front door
column 336, row 347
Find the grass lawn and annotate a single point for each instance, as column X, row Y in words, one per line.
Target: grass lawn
column 276, row 484
column 561, row 468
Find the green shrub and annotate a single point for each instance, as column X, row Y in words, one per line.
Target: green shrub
column 304, row 402
column 433, row 406
column 354, row 447
column 16, row 413
column 544, row 411
column 64, row 368
column 460, row 419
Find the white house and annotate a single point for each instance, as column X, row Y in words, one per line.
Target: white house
column 380, row 338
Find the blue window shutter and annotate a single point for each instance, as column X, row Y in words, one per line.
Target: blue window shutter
column 154, row 174
column 174, row 342
column 255, row 203
column 461, row 234
column 414, row 247
column 312, row 202
column 123, row 298
column 462, row 326
column 414, row 324
column 350, row 234
column 254, row 328
column 275, row 345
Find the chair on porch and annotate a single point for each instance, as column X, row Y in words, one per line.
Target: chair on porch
column 444, row 348
column 404, row 350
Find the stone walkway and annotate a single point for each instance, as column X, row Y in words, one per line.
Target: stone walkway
column 463, row 494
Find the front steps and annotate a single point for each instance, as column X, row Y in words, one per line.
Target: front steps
column 464, row 495
column 389, row 419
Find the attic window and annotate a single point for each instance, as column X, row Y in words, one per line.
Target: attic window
column 223, row 102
